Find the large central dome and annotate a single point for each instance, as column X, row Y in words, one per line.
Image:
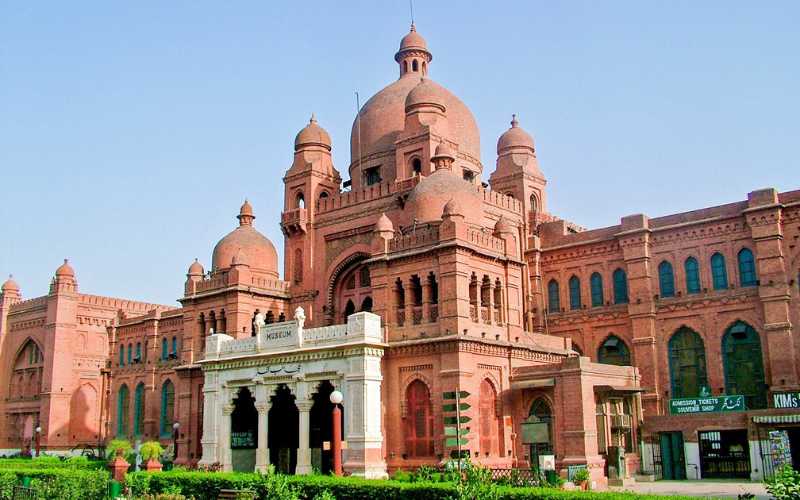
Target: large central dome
column 383, row 116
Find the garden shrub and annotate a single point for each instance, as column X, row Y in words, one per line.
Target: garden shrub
column 785, row 484
column 63, row 483
column 7, row 482
column 151, row 449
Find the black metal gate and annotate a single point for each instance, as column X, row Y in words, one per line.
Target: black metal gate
column 651, row 457
column 724, row 454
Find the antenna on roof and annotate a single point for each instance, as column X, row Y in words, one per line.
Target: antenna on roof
column 358, row 126
column 411, row 8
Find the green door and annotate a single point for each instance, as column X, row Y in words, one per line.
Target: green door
column 672, row 461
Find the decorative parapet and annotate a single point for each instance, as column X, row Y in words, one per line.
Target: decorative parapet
column 361, row 328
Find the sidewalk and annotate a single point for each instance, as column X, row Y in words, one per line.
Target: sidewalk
column 703, row 488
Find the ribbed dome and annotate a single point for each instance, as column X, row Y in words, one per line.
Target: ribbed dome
column 256, row 249
column 383, row 118
column 514, row 137
column 426, row 92
column 428, row 199
column 413, row 41
column 196, row 269
column 65, row 270
column 312, row 135
column 10, row 285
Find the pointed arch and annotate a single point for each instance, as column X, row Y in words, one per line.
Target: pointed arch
column 167, row 408
column 620, row 280
column 743, row 364
column 138, row 410
column 574, row 292
column 666, row 279
column 596, row 285
column 489, row 421
column 123, row 411
column 719, row 272
column 418, row 420
column 687, row 363
column 614, row 351
column 747, row 268
column 692, row 271
column 553, row 299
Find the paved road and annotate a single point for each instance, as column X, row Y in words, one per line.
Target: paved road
column 706, row 488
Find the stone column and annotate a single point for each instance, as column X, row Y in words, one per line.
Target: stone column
column 426, row 299
column 409, row 305
column 225, row 438
column 479, row 297
column 304, row 450
column 490, row 307
column 262, row 405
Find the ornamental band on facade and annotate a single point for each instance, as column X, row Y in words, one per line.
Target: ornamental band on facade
column 661, row 346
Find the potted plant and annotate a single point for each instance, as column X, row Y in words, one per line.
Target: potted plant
column 581, row 478
column 150, row 452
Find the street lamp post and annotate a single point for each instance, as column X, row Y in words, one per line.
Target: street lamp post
column 38, row 439
column 336, row 439
column 175, row 427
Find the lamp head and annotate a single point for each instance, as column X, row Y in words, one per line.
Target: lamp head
column 337, row 397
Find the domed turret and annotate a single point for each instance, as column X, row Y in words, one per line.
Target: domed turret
column 443, row 157
column 384, row 224
column 426, row 93
column 413, row 56
column 428, row 198
column 312, row 135
column 256, row 249
column 65, row 270
column 10, row 286
column 196, row 269
column 452, row 209
column 514, row 138
column 503, row 226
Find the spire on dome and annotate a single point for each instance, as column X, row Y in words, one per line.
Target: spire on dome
column 413, row 56
column 514, row 122
column 246, row 214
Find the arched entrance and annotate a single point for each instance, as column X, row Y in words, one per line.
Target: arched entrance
column 244, row 431
column 537, row 431
column 744, row 365
column 321, row 428
column 283, row 438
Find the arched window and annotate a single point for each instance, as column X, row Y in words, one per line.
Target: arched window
column 666, row 279
column 298, row 265
column 281, row 317
column 489, row 422
column 349, row 309
column 596, row 284
column 574, row 293
column 719, row 273
column 687, row 364
column 553, row 300
column 419, row 420
column 174, row 351
column 744, row 365
column 613, row 351
column 540, row 416
column 323, row 195
column 167, row 408
column 416, row 166
column 747, row 268
column 130, row 353
column 620, row 287
column 363, row 277
column 366, row 304
column 269, row 318
column 138, row 410
column 123, row 409
column 300, row 200
column 138, row 357
column 692, row 270
column 122, row 355
column 424, row 68
column 164, row 348
column 405, row 67
column 534, row 203
column 414, row 65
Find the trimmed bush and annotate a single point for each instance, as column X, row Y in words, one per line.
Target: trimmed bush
column 77, row 462
column 206, row 486
column 63, row 483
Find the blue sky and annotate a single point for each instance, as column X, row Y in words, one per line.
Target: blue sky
column 130, row 132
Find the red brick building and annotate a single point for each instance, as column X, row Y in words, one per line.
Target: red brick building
column 479, row 288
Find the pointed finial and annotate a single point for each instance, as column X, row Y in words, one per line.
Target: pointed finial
column 313, row 118
column 514, row 121
column 413, row 27
column 66, row 261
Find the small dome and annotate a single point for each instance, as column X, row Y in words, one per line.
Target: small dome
column 443, row 151
column 515, row 137
column 503, row 226
column 452, row 208
column 384, row 224
column 10, row 285
column 428, row 199
column 253, row 247
column 196, row 269
column 412, row 41
column 65, row 270
column 312, row 135
column 426, row 92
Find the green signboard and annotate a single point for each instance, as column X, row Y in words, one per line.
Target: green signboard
column 456, row 420
column 716, row 404
column 452, row 407
column 452, row 442
column 452, row 395
column 244, row 439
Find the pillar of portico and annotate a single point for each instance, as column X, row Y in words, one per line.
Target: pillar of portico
column 304, row 449
column 426, row 300
column 262, row 405
column 490, row 307
column 409, row 305
column 225, row 438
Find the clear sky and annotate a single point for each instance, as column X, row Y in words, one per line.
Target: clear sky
column 130, row 132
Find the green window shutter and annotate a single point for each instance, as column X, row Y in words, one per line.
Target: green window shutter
column 596, row 285
column 719, row 273
column 692, row 270
column 666, row 279
column 574, row 293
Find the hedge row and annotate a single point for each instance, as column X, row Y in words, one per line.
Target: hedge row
column 61, row 483
column 206, row 486
column 47, row 462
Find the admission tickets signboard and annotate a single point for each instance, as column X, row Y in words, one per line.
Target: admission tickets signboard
column 715, row 404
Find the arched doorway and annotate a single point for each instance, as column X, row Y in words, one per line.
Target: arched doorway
column 244, row 431
column 283, row 437
column 321, row 428
column 354, row 289
column 744, row 365
column 614, row 351
column 687, row 364
column 537, row 431
column 419, row 420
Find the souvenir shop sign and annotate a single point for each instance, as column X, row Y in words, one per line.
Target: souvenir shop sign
column 717, row 404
